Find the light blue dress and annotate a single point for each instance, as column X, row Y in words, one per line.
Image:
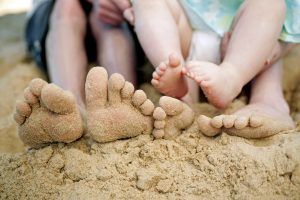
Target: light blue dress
column 217, row 16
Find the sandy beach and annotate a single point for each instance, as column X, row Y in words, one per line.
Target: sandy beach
column 192, row 166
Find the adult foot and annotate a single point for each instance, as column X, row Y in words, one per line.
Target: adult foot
column 114, row 109
column 47, row 114
column 256, row 120
column 171, row 118
column 219, row 83
column 168, row 78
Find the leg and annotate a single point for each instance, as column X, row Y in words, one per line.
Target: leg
column 267, row 113
column 161, row 38
column 259, row 22
column 115, row 48
column 66, row 58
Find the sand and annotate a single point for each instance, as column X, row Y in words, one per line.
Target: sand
column 192, row 166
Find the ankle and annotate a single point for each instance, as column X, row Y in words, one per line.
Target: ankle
column 233, row 76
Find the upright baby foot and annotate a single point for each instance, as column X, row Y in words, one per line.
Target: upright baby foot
column 48, row 114
column 171, row 118
column 220, row 84
column 114, row 109
column 168, row 78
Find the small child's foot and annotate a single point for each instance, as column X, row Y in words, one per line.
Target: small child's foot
column 114, row 109
column 168, row 78
column 48, row 114
column 171, row 118
column 219, row 84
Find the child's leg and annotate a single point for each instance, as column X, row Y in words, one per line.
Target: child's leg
column 163, row 29
column 253, row 37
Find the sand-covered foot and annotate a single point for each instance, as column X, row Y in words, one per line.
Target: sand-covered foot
column 255, row 121
column 220, row 84
column 171, row 118
column 114, row 109
column 206, row 127
column 168, row 78
column 47, row 114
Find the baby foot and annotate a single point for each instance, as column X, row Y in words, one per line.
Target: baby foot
column 114, row 109
column 255, row 120
column 171, row 118
column 219, row 84
column 168, row 79
column 48, row 114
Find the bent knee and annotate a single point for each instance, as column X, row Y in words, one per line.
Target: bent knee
column 67, row 10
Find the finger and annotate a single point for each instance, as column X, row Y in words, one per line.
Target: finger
column 122, row 5
column 129, row 15
column 110, row 18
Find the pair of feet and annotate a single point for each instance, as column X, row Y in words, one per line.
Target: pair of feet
column 114, row 110
column 221, row 85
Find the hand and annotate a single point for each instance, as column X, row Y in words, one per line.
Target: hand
column 111, row 11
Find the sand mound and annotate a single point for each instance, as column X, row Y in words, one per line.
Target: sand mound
column 191, row 167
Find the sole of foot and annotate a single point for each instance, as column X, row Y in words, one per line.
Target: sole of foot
column 171, row 117
column 114, row 109
column 47, row 114
column 251, row 121
column 168, row 78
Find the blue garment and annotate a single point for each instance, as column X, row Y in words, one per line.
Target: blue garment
column 218, row 15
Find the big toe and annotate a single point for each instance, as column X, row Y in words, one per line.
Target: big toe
column 115, row 84
column 204, row 125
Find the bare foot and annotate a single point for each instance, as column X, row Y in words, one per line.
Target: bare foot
column 255, row 120
column 171, row 118
column 219, row 84
column 114, row 109
column 48, row 114
column 168, row 78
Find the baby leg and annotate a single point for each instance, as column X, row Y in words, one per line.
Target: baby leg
column 160, row 38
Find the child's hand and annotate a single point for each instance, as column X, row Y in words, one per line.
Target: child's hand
column 129, row 15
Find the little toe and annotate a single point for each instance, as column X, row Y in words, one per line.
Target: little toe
column 159, row 114
column 147, row 107
column 127, row 91
column 204, row 125
column 139, row 97
column 96, row 88
column 155, row 83
column 241, row 122
column 229, row 120
column 19, row 118
column 36, row 86
column 174, row 60
column 58, row 100
column 158, row 133
column 217, row 121
column 23, row 108
column 155, row 75
column 115, row 84
column 256, row 121
column 171, row 105
column 159, row 124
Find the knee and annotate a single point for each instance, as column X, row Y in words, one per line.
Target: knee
column 276, row 9
column 67, row 11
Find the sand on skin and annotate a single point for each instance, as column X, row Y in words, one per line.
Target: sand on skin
column 190, row 167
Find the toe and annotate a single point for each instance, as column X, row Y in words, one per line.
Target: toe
column 174, row 60
column 170, row 105
column 127, row 91
column 23, row 108
column 36, row 86
column 147, row 107
column 155, row 76
column 29, row 97
column 58, row 100
column 162, row 66
column 205, row 127
column 217, row 122
column 155, row 82
column 19, row 118
column 115, row 84
column 96, row 88
column 229, row 120
column 159, row 114
column 241, row 122
column 159, row 72
column 159, row 124
column 139, row 97
column 255, row 121
column 158, row 133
